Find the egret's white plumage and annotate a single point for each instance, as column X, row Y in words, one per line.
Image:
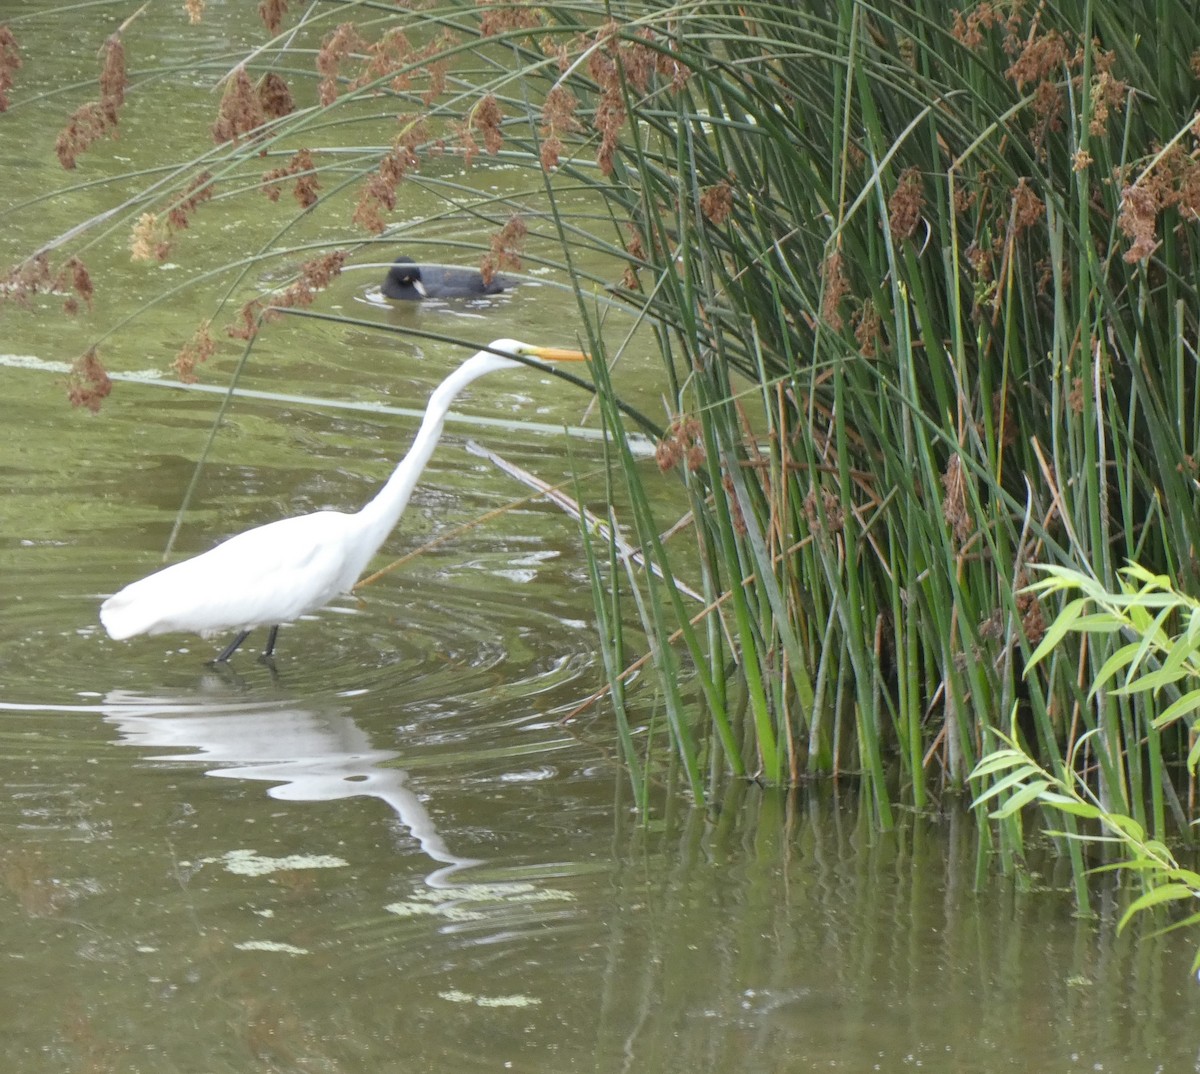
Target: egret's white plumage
column 278, row 572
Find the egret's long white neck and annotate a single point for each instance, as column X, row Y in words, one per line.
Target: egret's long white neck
column 380, row 516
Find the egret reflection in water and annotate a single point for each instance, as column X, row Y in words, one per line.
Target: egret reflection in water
column 311, row 755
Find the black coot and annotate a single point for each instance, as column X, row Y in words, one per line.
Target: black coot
column 411, row 282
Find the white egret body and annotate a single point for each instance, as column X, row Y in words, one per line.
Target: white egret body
column 276, row 573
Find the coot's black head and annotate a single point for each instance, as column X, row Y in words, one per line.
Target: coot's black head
column 404, row 280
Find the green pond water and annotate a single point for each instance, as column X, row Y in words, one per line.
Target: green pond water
column 390, row 855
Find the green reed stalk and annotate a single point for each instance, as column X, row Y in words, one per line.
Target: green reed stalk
column 606, row 600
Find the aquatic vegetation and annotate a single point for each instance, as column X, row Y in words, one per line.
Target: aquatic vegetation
column 252, row 863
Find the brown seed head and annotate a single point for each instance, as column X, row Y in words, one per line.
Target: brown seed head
column 75, row 276
column 716, row 203
column 487, row 117
column 27, row 279
column 200, row 348
column 906, row 205
column 337, row 46
column 10, row 60
column 501, row 16
column 315, row 275
column 506, row 246
column 198, row 190
column 954, row 503
column 1042, row 58
column 87, row 123
column 149, row 239
column 275, row 96
column 1137, row 221
column 113, row 80
column 88, row 383
column 306, row 187
column 968, row 27
column 240, row 110
column 272, row 12
column 1028, row 208
column 837, row 286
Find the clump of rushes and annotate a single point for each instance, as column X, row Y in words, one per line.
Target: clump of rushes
column 899, row 225
column 923, row 278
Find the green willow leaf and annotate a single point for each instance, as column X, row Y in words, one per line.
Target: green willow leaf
column 1179, row 708
column 1122, row 658
column 1152, row 680
column 1015, row 778
column 1156, row 897
column 1020, row 799
column 1099, row 623
column 1075, row 806
column 1057, row 631
column 998, row 762
column 1193, row 757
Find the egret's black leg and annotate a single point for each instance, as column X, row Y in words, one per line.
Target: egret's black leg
column 269, row 650
column 231, row 648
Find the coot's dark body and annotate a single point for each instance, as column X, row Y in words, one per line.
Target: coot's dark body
column 408, row 281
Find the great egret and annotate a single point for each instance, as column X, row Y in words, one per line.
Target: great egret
column 276, row 573
column 412, row 282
